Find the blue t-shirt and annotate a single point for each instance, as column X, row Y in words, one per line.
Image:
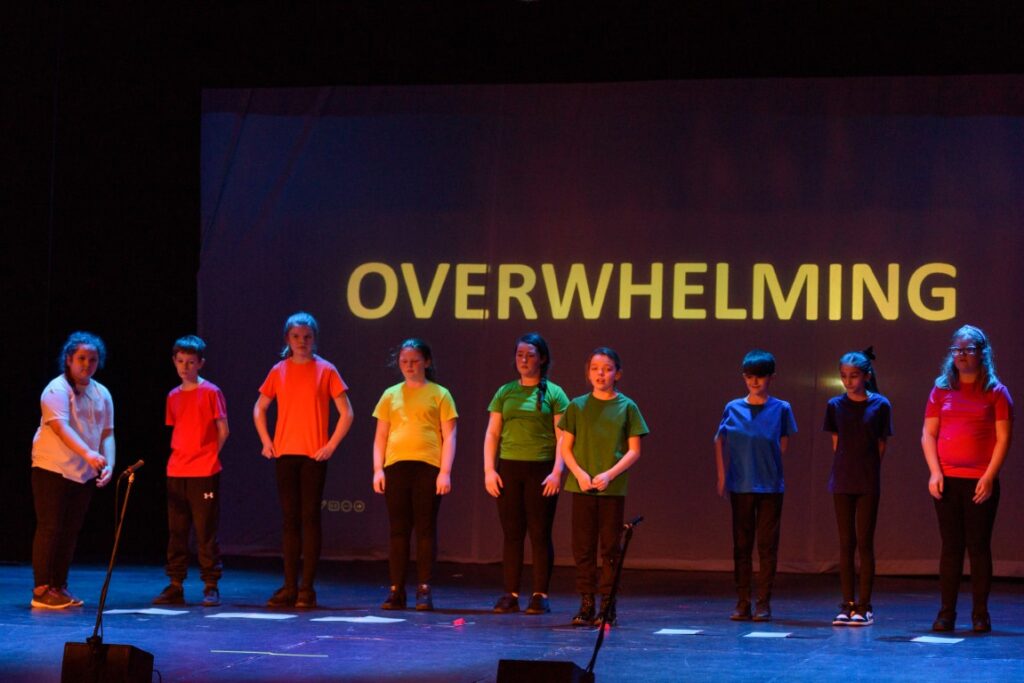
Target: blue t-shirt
column 752, row 434
column 857, row 466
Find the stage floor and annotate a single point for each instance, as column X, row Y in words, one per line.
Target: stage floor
column 463, row 641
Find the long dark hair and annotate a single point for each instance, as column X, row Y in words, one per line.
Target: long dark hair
column 949, row 377
column 416, row 344
column 862, row 361
column 74, row 340
column 537, row 342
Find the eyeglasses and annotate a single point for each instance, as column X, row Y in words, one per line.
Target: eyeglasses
column 963, row 350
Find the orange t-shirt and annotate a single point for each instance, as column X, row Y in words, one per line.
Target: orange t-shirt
column 303, row 392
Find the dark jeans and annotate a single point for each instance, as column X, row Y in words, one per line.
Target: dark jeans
column 410, row 491
column 757, row 514
column 522, row 509
column 60, row 506
column 596, row 518
column 193, row 501
column 856, row 515
column 300, row 488
column 964, row 524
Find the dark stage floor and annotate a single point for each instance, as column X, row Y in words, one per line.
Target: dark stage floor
column 463, row 640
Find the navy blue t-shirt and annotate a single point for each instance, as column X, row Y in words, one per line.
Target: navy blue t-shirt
column 752, row 434
column 857, row 466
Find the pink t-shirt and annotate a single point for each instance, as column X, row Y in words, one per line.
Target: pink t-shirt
column 967, row 426
column 303, row 392
column 194, row 415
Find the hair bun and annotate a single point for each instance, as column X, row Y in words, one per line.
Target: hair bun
column 869, row 352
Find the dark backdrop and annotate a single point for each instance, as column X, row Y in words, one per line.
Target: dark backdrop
column 101, row 217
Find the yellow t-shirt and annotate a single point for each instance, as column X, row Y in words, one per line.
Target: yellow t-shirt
column 414, row 416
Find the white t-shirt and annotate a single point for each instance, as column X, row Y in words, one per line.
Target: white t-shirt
column 89, row 413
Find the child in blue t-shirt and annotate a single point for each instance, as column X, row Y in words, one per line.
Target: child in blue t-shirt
column 755, row 432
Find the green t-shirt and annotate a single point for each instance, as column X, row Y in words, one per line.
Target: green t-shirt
column 527, row 433
column 414, row 416
column 601, row 430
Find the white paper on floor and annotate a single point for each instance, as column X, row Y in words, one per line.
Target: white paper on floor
column 267, row 654
column 361, row 620
column 936, row 640
column 768, row 634
column 250, row 615
column 678, row 632
column 156, row 611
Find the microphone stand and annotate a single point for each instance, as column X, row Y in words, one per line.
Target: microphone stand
column 96, row 640
column 609, row 607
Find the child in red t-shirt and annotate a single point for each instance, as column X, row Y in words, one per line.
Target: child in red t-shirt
column 197, row 412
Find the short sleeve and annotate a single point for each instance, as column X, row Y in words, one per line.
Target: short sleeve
column 1003, row 404
column 220, row 405
column 335, row 384
column 55, row 404
column 830, row 419
column 168, row 411
column 382, row 411
column 269, row 386
column 788, row 421
column 557, row 400
column 446, row 406
column 934, row 406
column 108, row 423
column 568, row 423
column 885, row 414
column 635, row 423
column 497, row 403
column 723, row 426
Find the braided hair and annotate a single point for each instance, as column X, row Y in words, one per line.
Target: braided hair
column 538, row 343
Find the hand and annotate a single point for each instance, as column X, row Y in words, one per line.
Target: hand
column 493, row 483
column 378, row 481
column 105, row 475
column 444, row 484
column 268, row 451
column 323, row 454
column 935, row 486
column 95, row 460
column 583, row 479
column 983, row 491
column 720, row 486
column 552, row 483
column 601, row 481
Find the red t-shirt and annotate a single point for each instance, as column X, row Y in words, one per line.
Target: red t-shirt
column 194, row 415
column 303, row 392
column 967, row 426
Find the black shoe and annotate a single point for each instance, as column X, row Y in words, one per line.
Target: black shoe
column 945, row 621
column 284, row 596
column 843, row 617
column 742, row 611
column 607, row 614
column 585, row 616
column 211, row 596
column 75, row 600
column 306, row 598
column 863, row 615
column 173, row 594
column 539, row 604
column 424, row 600
column 763, row 611
column 395, row 600
column 981, row 623
column 507, row 604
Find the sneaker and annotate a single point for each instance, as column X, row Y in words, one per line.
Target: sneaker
column 763, row 611
column 845, row 612
column 507, row 603
column 862, row 616
column 585, row 615
column 981, row 623
column 424, row 600
column 742, row 611
column 284, row 596
column 306, row 598
column 945, row 621
column 173, row 594
column 395, row 600
column 49, row 598
column 75, row 600
column 211, row 596
column 606, row 615
column 539, row 604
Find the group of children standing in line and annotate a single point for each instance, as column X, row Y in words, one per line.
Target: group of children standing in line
column 533, row 434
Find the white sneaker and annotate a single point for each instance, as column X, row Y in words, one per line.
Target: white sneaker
column 862, row 616
column 844, row 616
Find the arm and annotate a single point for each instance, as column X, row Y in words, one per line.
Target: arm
column 380, row 443
column 783, row 444
column 553, row 482
column 259, row 417
column 929, row 445
column 71, row 439
column 835, row 442
column 720, row 465
column 345, row 417
column 582, row 478
column 222, row 432
column 882, row 443
column 444, row 477
column 492, row 480
column 602, row 480
column 108, row 450
column 1004, row 430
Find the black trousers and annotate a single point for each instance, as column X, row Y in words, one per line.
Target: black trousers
column 964, row 524
column 856, row 515
column 300, row 488
column 596, row 519
column 523, row 508
column 755, row 515
column 410, row 491
column 60, row 506
column 193, row 502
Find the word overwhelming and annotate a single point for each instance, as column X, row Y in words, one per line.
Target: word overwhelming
column 681, row 291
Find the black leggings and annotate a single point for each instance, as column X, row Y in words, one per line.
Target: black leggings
column 410, row 491
column 300, row 488
column 60, row 506
column 856, row 515
column 964, row 524
column 523, row 508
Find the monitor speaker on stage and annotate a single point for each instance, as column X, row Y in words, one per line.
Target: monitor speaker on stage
column 100, row 663
column 519, row 670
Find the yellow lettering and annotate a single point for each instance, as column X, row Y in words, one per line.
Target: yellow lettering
column 785, row 304
column 520, row 292
column 888, row 302
column 835, row 292
column 629, row 289
column 464, row 290
column 355, row 283
column 722, row 310
column 424, row 308
column 576, row 285
column 947, row 295
column 681, row 289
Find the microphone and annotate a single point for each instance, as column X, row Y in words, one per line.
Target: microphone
column 633, row 522
column 131, row 469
